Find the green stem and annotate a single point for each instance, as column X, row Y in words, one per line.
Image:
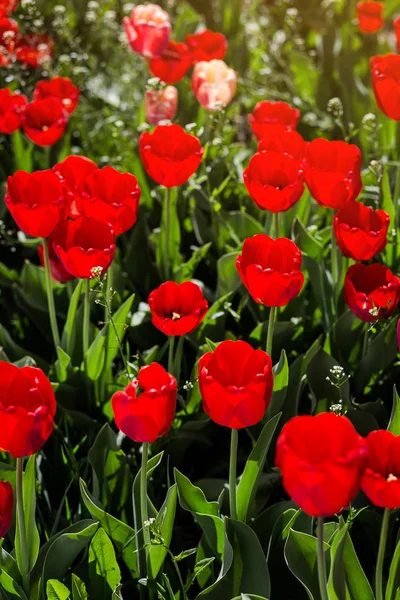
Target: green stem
column 270, row 334
column 335, row 270
column 396, row 199
column 86, row 319
column 381, row 555
column 171, row 347
column 50, row 297
column 21, row 531
column 365, row 342
column 143, row 500
column 321, row 560
column 276, row 220
column 232, row 473
column 167, row 233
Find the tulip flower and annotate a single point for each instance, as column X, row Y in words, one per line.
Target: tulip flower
column 34, row 50
column 45, row 121
column 372, row 292
column 173, row 64
column 6, row 507
column 207, row 45
column 148, row 30
column 177, row 309
column 161, row 105
column 74, row 171
column 61, row 88
column 214, row 84
column 370, row 16
column 396, row 25
column 12, row 105
column 385, row 71
column 9, row 34
column 268, row 113
column 57, row 269
column 277, row 138
column 7, row 7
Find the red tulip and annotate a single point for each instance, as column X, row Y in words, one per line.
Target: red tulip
column 370, row 16
column 9, row 34
column 6, row 507
column 371, row 291
column 7, row 7
column 11, row 108
column 214, row 84
column 333, row 172
column 177, row 309
column 321, row 459
column 385, row 71
column 361, row 232
column 272, row 113
column 274, row 181
column 236, row 384
column 84, row 244
column 74, row 171
column 61, row 88
column 396, row 25
column 173, row 64
column 34, row 50
column 27, row 409
column 57, row 270
column 207, row 45
column 148, row 30
column 270, row 269
column 146, row 416
column 45, row 121
column 170, row 155
column 278, row 138
column 36, row 201
column 161, row 105
column 381, row 478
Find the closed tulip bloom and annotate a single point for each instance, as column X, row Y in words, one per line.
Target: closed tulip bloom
column 173, row 64
column 385, row 71
column 207, row 45
column 361, row 232
column 370, row 16
column 57, row 269
column 34, row 50
column 161, row 105
column 45, row 121
column 372, row 292
column 214, row 84
column 236, row 384
column 321, row 460
column 177, row 308
column 61, row 88
column 396, row 25
column 12, row 106
column 36, row 201
column 170, row 155
column 83, row 245
column 381, row 478
column 333, row 172
column 278, row 138
column 6, row 507
column 7, row 7
column 274, row 181
column 9, row 34
column 148, row 30
column 27, row 409
column 74, row 171
column 268, row 113
column 146, row 415
column 270, row 269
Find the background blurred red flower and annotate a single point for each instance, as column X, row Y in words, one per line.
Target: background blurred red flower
column 385, row 71
column 372, row 292
column 270, row 269
column 173, row 64
column 27, row 409
column 6, row 507
column 57, row 269
column 34, row 49
column 45, row 121
column 370, row 16
column 36, row 201
column 207, row 45
column 9, row 34
column 236, row 384
column 146, row 416
column 321, row 459
column 381, row 478
column 61, row 88
column 148, row 30
column 361, row 232
column 396, row 25
column 7, row 7
column 268, row 113
column 12, row 106
column 161, row 105
column 177, row 309
column 170, row 155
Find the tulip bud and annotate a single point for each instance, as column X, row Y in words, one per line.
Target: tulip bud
column 161, row 105
column 214, row 84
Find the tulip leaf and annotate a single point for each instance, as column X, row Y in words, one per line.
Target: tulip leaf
column 11, row 589
column 394, row 423
column 382, row 350
column 306, row 242
column 248, row 484
column 163, row 525
column 70, row 327
column 393, row 583
column 55, row 590
column 78, row 588
column 213, row 314
column 169, row 227
column 301, row 558
column 116, row 332
column 22, row 152
column 104, row 571
column 281, row 382
column 186, row 270
column 228, row 276
column 32, row 534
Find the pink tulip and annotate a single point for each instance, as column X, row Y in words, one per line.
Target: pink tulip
column 214, row 84
column 148, row 30
column 161, row 105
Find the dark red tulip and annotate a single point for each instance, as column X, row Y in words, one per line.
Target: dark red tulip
column 146, row 415
column 27, row 409
column 385, row 71
column 84, row 244
column 207, row 45
column 61, row 88
column 34, row 50
column 381, row 478
column 74, row 171
column 333, row 172
column 396, row 25
column 274, row 181
column 173, row 64
column 372, row 292
column 57, row 270
column 45, row 121
column 267, row 113
column 170, row 155
column 177, row 309
column 7, row 7
column 270, row 269
column 36, row 201
column 11, row 109
column 285, row 141
column 370, row 16
column 6, row 507
column 148, row 30
column 236, row 384
column 9, row 34
column 321, row 459
column 361, row 232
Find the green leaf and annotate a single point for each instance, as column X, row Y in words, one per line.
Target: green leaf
column 248, row 484
column 186, row 270
column 170, row 224
column 104, row 571
column 394, row 423
column 164, row 525
column 393, row 584
column 94, row 361
column 22, row 152
column 55, row 590
column 281, row 382
column 32, row 534
column 120, row 318
column 306, row 242
column 78, row 588
column 228, row 276
column 213, row 313
column 301, row 558
column 382, row 351
column 10, row 587
column 69, row 331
